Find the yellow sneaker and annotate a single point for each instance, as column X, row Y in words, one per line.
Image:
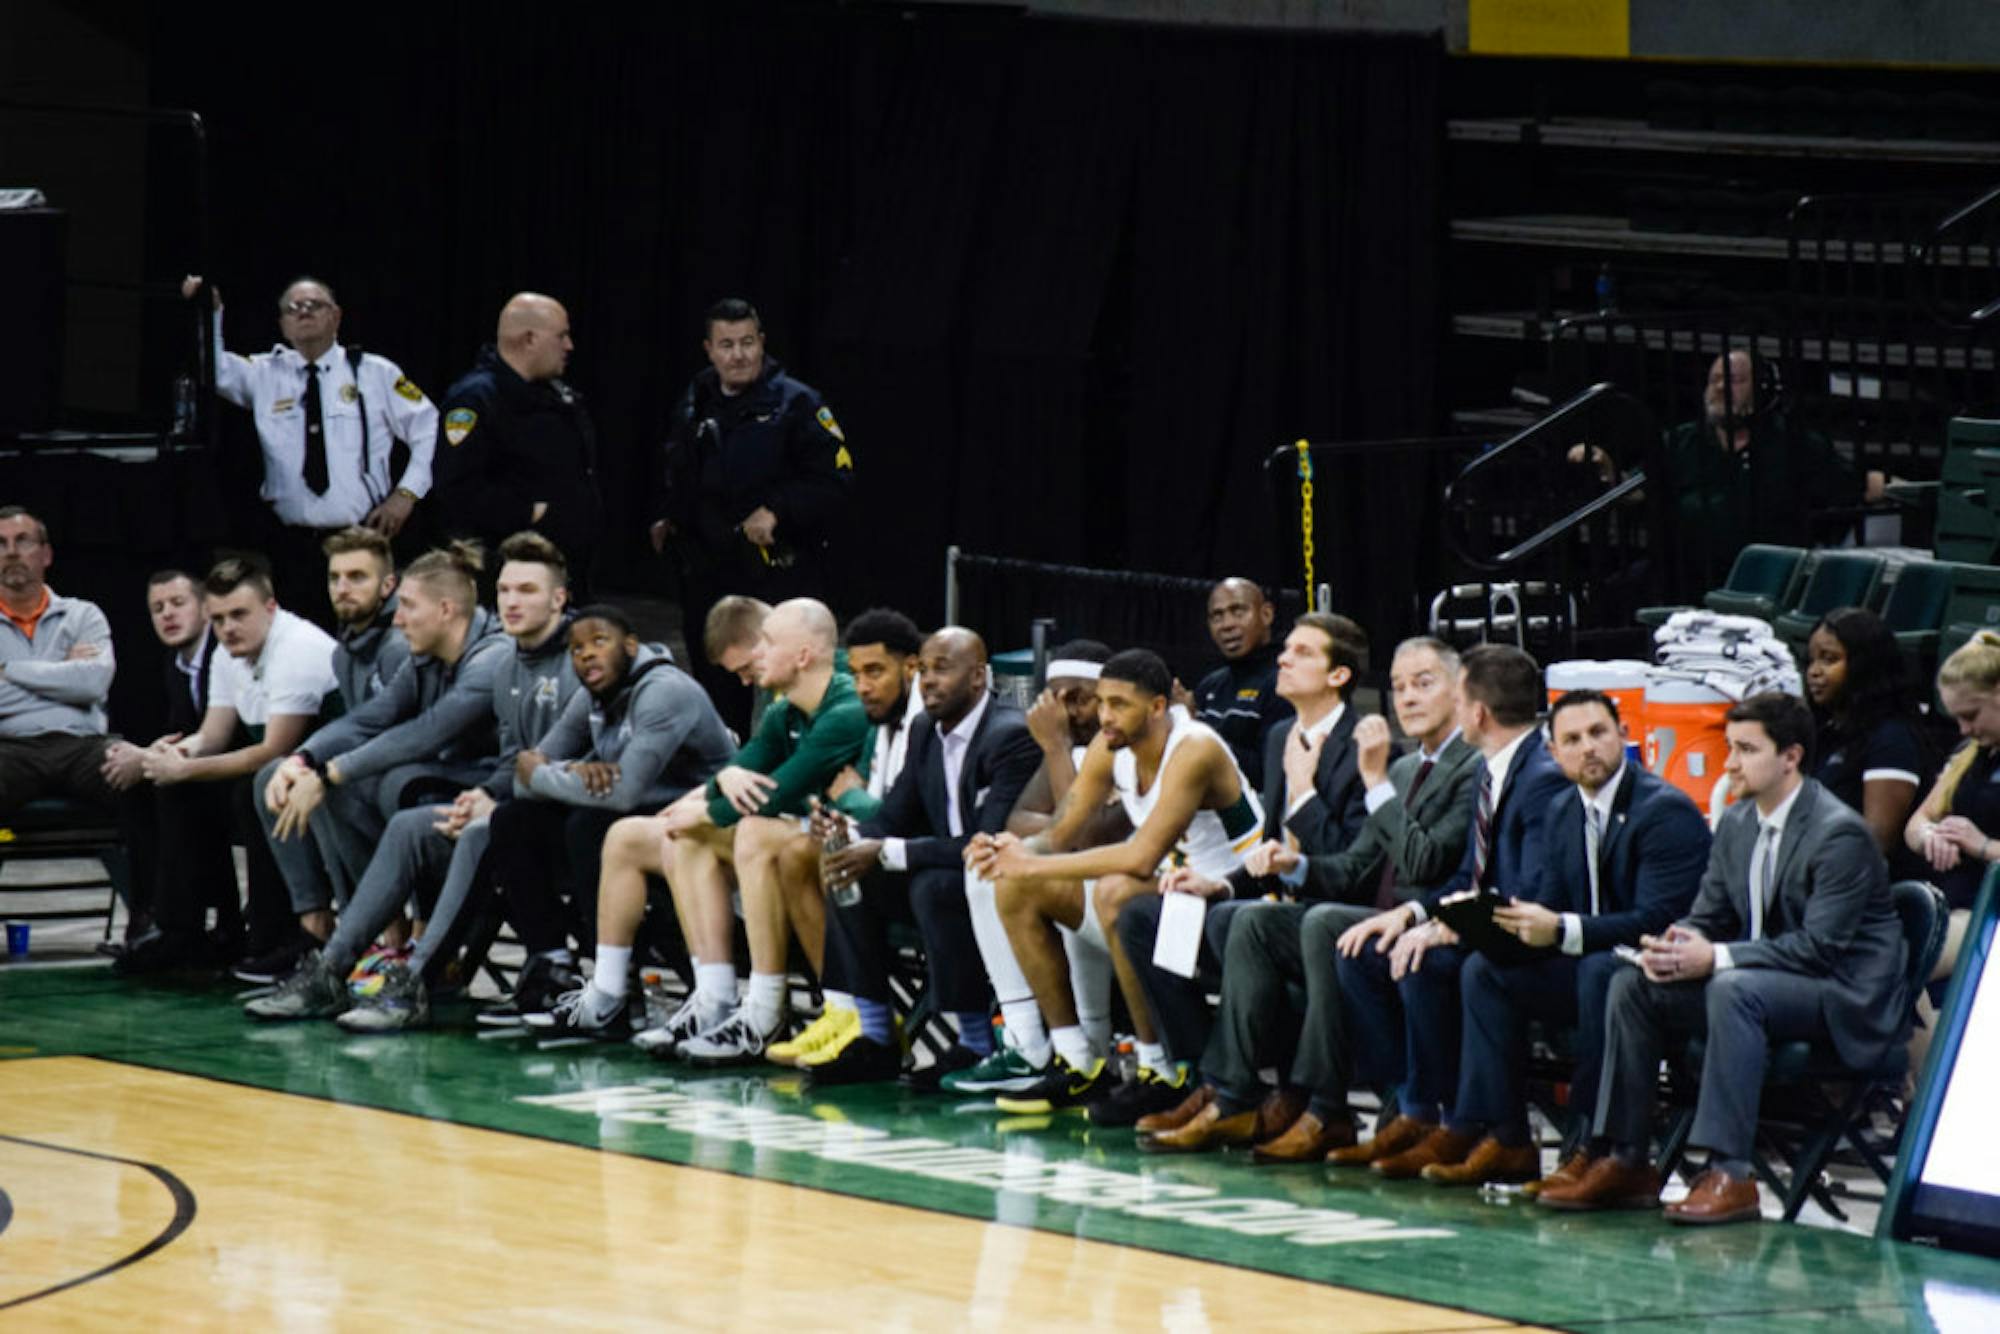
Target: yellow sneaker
column 831, row 1024
column 836, row 1044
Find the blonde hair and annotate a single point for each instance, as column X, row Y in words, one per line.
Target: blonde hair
column 1975, row 664
column 450, row 573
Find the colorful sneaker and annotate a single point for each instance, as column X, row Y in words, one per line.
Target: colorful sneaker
column 314, row 990
column 1147, row 1092
column 584, row 1013
column 399, row 1001
column 1061, row 1085
column 735, row 1041
column 1005, row 1071
column 826, row 1031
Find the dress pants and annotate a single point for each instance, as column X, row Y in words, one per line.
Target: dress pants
column 1742, row 1010
column 858, row 955
column 1498, row 1001
column 194, row 827
column 1406, row 1033
column 1281, row 1002
column 1179, row 1004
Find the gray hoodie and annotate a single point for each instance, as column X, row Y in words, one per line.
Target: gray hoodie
column 529, row 693
column 431, row 712
column 659, row 727
column 367, row 657
column 44, row 690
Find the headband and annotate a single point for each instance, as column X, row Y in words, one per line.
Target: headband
column 1076, row 667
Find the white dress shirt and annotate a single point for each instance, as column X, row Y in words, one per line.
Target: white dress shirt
column 955, row 744
column 1319, row 731
column 272, row 386
column 1606, row 798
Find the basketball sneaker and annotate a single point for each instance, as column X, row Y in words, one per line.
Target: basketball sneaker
column 541, row 982
column 398, row 1001
column 314, row 990
column 1146, row 1092
column 1061, row 1085
column 829, row 1030
column 664, row 1040
column 735, row 1041
column 584, row 1013
column 1004, row 1071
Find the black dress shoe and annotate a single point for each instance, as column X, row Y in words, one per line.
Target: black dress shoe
column 927, row 1080
column 162, row 952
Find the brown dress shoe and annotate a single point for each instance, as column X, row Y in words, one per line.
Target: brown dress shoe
column 1490, row 1160
column 1209, row 1130
column 1440, row 1146
column 1607, row 1184
column 1177, row 1116
column 1308, row 1140
column 1401, row 1133
column 1717, row 1197
column 1568, row 1174
column 1277, row 1112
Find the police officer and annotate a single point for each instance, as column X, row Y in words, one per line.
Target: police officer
column 755, row 478
column 517, row 448
column 327, row 417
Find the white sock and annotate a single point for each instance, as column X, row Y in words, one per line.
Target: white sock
column 765, row 1004
column 1090, row 982
column 715, row 985
column 1022, row 1024
column 614, row 964
column 1073, row 1046
column 837, row 1000
column 1153, row 1055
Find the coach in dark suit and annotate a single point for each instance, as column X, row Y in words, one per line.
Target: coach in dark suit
column 968, row 759
column 1399, row 986
column 1413, row 838
column 1314, row 802
column 1625, row 855
column 1793, row 937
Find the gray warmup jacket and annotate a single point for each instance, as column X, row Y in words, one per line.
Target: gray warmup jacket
column 659, row 728
column 529, row 693
column 367, row 657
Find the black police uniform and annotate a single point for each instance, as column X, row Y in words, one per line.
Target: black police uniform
column 504, row 445
column 777, row 445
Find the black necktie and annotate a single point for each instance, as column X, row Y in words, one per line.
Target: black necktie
column 316, row 479
column 1385, row 890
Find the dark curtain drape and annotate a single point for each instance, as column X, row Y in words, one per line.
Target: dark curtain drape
column 1064, row 284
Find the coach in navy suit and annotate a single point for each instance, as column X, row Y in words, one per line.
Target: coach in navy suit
column 968, row 759
column 1625, row 856
column 1399, row 969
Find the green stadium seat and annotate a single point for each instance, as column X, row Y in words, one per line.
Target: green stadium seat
column 1757, row 584
column 1838, row 579
column 1968, row 527
column 1914, row 610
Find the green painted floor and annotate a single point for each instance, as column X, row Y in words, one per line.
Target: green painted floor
column 1406, row 1240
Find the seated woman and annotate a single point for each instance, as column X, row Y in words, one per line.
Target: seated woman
column 1874, row 753
column 1954, row 829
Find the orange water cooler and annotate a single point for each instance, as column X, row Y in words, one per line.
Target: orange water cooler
column 1623, row 679
column 1685, row 744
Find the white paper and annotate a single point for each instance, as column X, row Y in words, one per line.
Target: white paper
column 1178, row 944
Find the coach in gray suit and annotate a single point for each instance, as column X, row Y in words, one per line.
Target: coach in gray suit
column 1793, row 937
column 1419, row 818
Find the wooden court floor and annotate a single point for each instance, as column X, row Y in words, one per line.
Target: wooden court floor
column 164, row 1162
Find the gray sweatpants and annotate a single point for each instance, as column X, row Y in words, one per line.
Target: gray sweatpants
column 326, row 866
column 410, row 854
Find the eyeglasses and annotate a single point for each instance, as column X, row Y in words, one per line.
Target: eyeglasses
column 23, row 543
column 307, row 307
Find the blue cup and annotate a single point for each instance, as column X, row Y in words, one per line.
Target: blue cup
column 17, row 940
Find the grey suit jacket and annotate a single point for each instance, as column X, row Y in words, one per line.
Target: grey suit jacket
column 1424, row 837
column 1832, row 917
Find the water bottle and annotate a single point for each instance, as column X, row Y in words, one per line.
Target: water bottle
column 660, row 1006
column 183, row 428
column 848, row 894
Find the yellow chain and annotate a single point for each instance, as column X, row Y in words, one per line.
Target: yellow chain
column 1306, row 515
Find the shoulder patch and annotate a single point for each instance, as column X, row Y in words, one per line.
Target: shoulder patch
column 825, row 418
column 409, row 390
column 458, row 424
column 843, row 459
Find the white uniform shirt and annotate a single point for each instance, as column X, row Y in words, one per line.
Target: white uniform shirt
column 272, row 385
column 291, row 676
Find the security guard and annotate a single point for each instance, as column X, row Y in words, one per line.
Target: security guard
column 517, row 448
column 327, row 417
column 755, row 479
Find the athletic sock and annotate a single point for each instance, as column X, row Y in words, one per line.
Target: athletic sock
column 764, row 1006
column 836, row 1000
column 1072, row 1045
column 614, row 963
column 1025, row 1033
column 1153, row 1056
column 975, row 1031
column 878, row 1021
column 715, row 986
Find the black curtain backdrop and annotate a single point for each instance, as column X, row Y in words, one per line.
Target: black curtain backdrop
column 1064, row 284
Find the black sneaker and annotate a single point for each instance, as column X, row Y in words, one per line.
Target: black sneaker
column 931, row 1077
column 542, row 982
column 280, row 962
column 161, row 952
column 585, row 1012
column 1147, row 1092
column 1063, row 1086
column 862, row 1061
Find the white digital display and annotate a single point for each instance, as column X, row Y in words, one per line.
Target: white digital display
column 1964, row 1151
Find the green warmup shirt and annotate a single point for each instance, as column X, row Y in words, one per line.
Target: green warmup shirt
column 803, row 751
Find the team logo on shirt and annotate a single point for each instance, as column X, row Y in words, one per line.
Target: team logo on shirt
column 825, row 418
column 408, row 390
column 458, row 424
column 349, row 394
column 545, row 690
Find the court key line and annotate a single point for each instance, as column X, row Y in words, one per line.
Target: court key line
column 177, row 1190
